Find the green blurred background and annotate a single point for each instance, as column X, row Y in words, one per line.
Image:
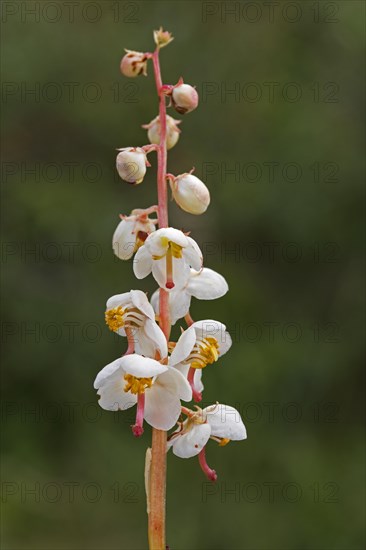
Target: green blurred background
column 289, row 245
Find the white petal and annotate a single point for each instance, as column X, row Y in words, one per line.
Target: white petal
column 114, row 398
column 157, row 337
column 158, row 268
column 184, row 346
column 179, row 304
column 110, row 384
column 162, row 408
column 142, row 263
column 141, row 367
column 193, row 255
column 176, row 383
column 225, row 421
column 118, row 300
column 139, row 300
column 157, row 242
column 124, row 240
column 206, row 284
column 225, row 344
column 180, row 272
column 191, row 443
column 197, row 379
column 154, row 301
column 109, row 371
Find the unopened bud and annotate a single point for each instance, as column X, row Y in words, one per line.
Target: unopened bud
column 133, row 64
column 172, row 131
column 131, row 164
column 184, row 97
column 190, row 193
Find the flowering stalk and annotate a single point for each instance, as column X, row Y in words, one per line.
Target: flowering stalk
column 157, row 475
column 155, row 374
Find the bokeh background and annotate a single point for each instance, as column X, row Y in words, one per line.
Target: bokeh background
column 284, row 228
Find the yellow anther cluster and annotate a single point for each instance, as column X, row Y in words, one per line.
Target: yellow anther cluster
column 206, row 353
column 137, row 385
column 176, row 250
column 172, row 248
column 224, row 441
column 114, row 318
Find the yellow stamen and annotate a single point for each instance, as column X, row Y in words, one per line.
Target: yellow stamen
column 204, row 353
column 137, row 385
column 114, row 318
column 175, row 249
column 224, row 441
column 171, row 248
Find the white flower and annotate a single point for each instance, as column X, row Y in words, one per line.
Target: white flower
column 172, row 131
column 221, row 423
column 130, row 314
column 168, row 253
column 203, row 285
column 156, row 388
column 131, row 233
column 131, row 164
column 190, row 193
column 200, row 345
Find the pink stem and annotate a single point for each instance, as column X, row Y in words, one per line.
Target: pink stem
column 157, row 475
column 137, row 428
column 197, row 396
column 162, row 151
column 209, row 473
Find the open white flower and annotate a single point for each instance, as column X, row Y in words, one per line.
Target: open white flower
column 132, row 232
column 130, row 314
column 168, row 253
column 200, row 345
column 155, row 388
column 204, row 285
column 221, row 423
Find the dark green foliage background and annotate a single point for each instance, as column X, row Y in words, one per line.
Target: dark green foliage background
column 311, row 452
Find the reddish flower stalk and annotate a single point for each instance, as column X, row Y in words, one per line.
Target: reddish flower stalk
column 157, row 477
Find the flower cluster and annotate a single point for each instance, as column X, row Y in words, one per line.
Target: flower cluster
column 155, row 373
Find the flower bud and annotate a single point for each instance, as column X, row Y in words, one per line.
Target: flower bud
column 131, row 164
column 172, row 131
column 184, row 98
column 190, row 193
column 133, row 64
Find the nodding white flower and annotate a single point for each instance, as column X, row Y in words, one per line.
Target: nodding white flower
column 132, row 232
column 130, row 314
column 190, row 193
column 155, row 388
column 221, row 423
column 134, row 64
column 184, row 97
column 206, row 284
column 172, row 131
column 131, row 164
column 167, row 253
column 200, row 345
